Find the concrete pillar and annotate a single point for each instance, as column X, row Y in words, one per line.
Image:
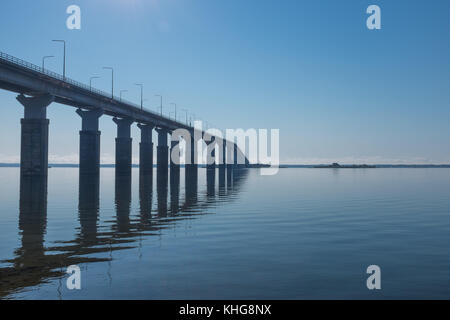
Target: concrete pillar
column 146, row 150
column 211, row 154
column 162, row 151
column 191, row 185
column 34, row 136
column 175, row 155
column 174, row 175
column 191, row 169
column 191, row 153
column 123, row 146
column 89, row 141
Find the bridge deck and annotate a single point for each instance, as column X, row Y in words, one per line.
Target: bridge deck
column 23, row 77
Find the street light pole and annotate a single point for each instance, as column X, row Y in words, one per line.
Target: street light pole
column 64, row 61
column 90, row 82
column 175, row 110
column 112, row 80
column 43, row 61
column 122, row 91
column 161, row 106
column 185, row 110
column 142, row 91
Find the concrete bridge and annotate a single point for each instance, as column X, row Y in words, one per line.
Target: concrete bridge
column 37, row 88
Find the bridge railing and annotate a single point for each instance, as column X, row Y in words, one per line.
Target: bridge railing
column 54, row 75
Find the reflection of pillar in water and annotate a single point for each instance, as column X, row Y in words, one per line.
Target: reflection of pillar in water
column 229, row 177
column 88, row 205
column 222, row 180
column 123, row 202
column 145, row 196
column 161, row 188
column 191, row 185
column 210, row 182
column 174, row 190
column 32, row 217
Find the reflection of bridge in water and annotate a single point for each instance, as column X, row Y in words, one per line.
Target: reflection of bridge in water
column 34, row 263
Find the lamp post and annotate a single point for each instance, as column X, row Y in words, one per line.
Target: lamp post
column 43, row 61
column 64, row 60
column 90, row 81
column 174, row 104
column 161, row 106
column 122, row 91
column 185, row 110
column 112, row 80
column 142, row 92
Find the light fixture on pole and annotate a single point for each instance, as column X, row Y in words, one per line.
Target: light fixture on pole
column 185, row 110
column 142, row 92
column 43, row 61
column 64, row 60
column 122, row 91
column 161, row 105
column 90, row 81
column 112, row 80
column 174, row 104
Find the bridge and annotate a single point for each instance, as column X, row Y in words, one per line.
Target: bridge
column 37, row 88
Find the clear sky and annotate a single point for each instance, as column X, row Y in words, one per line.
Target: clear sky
column 336, row 90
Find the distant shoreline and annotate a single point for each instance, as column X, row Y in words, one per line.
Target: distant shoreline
column 282, row 166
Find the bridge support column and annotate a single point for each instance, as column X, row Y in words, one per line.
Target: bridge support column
column 191, row 152
column 89, row 142
column 123, row 146
column 191, row 169
column 34, row 136
column 146, row 150
column 229, row 155
column 211, row 154
column 162, row 151
column 175, row 155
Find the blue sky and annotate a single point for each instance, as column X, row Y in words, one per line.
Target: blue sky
column 336, row 90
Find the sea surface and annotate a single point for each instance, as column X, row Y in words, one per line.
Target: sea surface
column 301, row 234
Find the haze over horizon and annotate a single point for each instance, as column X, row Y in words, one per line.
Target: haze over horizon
column 337, row 91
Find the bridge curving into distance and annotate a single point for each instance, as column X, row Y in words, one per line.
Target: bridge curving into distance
column 38, row 88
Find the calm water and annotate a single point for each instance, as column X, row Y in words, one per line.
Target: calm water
column 304, row 233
